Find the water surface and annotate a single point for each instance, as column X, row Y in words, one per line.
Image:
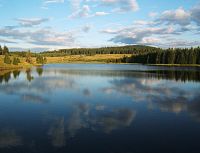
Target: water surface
column 100, row 108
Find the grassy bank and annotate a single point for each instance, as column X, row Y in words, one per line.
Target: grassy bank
column 98, row 58
column 21, row 65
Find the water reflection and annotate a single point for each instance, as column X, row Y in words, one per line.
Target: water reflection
column 78, row 118
column 9, row 138
column 34, row 99
column 66, row 108
column 5, row 77
column 39, row 70
column 57, row 133
column 176, row 75
column 28, row 75
column 16, row 73
column 194, row 110
column 116, row 119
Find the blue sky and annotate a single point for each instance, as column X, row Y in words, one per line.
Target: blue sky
column 54, row 24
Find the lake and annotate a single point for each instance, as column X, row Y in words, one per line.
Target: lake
column 100, row 108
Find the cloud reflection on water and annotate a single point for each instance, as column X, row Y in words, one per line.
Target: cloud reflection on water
column 131, row 88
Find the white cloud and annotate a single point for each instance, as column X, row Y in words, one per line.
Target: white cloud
column 144, row 22
column 122, row 5
column 6, row 41
column 45, row 36
column 82, row 8
column 178, row 16
column 29, row 22
column 138, row 35
column 180, row 43
column 75, row 4
column 150, row 40
column 101, row 13
column 53, row 1
column 161, row 31
column 195, row 14
column 82, row 12
column 153, row 14
column 47, row 2
column 87, row 28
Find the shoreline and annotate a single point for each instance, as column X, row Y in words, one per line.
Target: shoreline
column 175, row 65
column 97, row 62
column 12, row 67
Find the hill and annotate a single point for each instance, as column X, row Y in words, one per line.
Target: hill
column 133, row 49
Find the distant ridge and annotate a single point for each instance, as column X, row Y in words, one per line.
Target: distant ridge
column 130, row 49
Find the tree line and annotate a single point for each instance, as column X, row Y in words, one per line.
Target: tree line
column 167, row 56
column 4, row 50
column 14, row 57
column 134, row 49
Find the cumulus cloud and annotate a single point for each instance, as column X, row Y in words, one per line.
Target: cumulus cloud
column 48, row 37
column 144, row 23
column 169, row 22
column 87, row 28
column 122, row 5
column 81, row 12
column 31, row 22
column 12, row 32
column 6, row 41
column 81, row 8
column 41, row 36
column 134, row 35
column 178, row 16
column 153, row 14
column 161, row 31
column 195, row 14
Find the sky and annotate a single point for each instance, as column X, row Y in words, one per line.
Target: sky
column 54, row 24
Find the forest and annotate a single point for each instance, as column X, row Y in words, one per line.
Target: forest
column 134, row 49
column 167, row 56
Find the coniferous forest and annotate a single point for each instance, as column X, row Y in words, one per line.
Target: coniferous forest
column 168, row 56
column 134, row 49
